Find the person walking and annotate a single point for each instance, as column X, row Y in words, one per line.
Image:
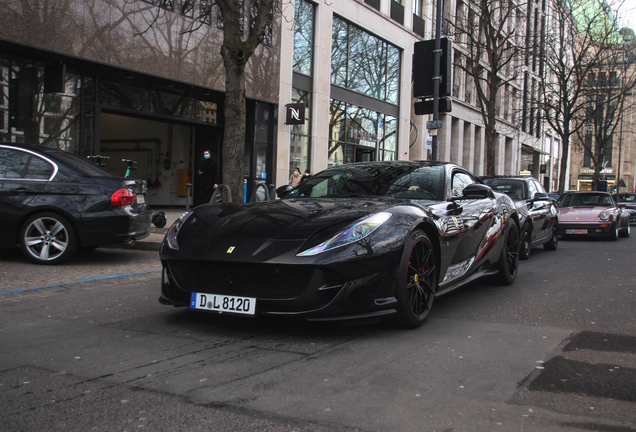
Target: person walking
column 295, row 178
column 207, row 177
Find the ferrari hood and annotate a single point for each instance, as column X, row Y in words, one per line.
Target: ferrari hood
column 268, row 229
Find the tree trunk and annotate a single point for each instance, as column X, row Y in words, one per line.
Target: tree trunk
column 234, row 131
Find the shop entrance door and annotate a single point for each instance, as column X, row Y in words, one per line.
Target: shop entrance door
column 363, row 154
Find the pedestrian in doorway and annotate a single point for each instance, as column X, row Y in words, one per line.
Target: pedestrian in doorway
column 295, row 178
column 306, row 175
column 207, row 177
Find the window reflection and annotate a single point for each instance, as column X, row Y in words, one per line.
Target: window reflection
column 303, row 37
column 364, row 63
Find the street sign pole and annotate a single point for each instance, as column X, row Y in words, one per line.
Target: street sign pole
column 436, row 74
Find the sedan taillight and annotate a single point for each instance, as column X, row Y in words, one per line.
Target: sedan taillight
column 122, row 197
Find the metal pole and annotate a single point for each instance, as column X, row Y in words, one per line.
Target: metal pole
column 188, row 187
column 436, row 74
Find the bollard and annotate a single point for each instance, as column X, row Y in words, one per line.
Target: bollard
column 188, row 187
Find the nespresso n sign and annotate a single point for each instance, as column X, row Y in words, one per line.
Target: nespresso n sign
column 295, row 114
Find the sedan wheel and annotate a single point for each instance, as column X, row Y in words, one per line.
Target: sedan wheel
column 419, row 270
column 554, row 241
column 47, row 238
column 526, row 245
column 509, row 258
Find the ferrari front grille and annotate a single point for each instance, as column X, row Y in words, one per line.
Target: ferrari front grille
column 264, row 281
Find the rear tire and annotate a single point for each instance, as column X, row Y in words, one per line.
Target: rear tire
column 417, row 281
column 526, row 243
column 554, row 241
column 48, row 238
column 509, row 258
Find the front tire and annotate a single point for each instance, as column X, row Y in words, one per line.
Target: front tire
column 48, row 238
column 509, row 258
column 417, row 281
column 613, row 235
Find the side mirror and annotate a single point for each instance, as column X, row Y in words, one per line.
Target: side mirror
column 477, row 191
column 283, row 190
column 540, row 196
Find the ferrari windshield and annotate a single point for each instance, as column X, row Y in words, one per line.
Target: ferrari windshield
column 591, row 199
column 408, row 181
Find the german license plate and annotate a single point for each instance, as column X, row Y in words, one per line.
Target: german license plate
column 223, row 303
column 576, row 231
column 141, row 199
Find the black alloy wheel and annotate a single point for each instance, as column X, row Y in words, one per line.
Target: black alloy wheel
column 419, row 270
column 554, row 241
column 509, row 258
column 526, row 244
column 48, row 238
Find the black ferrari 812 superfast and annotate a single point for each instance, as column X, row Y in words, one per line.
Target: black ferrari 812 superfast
column 366, row 240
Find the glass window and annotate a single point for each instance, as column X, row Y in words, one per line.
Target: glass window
column 12, row 163
column 364, row 63
column 460, row 181
column 362, row 125
column 393, row 74
column 401, row 180
column 339, row 52
column 303, row 37
column 300, row 140
column 38, row 169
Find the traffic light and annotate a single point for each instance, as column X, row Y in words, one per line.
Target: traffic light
column 426, row 107
column 423, row 68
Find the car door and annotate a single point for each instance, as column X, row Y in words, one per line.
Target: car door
column 23, row 174
column 542, row 213
column 473, row 218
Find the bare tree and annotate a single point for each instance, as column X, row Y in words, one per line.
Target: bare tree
column 485, row 32
column 589, row 75
column 244, row 25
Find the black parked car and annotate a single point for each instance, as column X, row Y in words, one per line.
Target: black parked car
column 537, row 212
column 367, row 240
column 53, row 202
column 629, row 202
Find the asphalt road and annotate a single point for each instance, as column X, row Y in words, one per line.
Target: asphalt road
column 86, row 346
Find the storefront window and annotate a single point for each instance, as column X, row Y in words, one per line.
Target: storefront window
column 364, row 63
column 358, row 134
column 300, row 142
column 303, row 37
column 48, row 119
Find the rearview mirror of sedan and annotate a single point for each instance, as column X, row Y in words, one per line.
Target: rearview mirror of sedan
column 477, row 191
column 283, row 190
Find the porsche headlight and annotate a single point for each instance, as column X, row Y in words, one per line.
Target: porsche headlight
column 171, row 236
column 352, row 233
column 605, row 215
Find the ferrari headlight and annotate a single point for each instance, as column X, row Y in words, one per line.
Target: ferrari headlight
column 171, row 236
column 605, row 215
column 352, row 233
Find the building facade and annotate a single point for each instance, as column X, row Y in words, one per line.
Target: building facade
column 144, row 80
column 141, row 80
column 352, row 68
